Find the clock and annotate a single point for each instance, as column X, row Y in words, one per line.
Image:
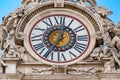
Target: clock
column 59, row 37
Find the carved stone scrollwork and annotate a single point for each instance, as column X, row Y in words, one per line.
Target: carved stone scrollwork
column 91, row 2
column 58, row 3
column 28, row 2
column 12, row 19
column 103, row 11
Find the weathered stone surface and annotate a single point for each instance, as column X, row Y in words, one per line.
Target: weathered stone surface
column 18, row 63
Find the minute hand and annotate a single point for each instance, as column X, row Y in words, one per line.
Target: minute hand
column 59, row 36
column 56, row 41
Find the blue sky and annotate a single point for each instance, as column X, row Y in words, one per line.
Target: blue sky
column 7, row 6
column 114, row 6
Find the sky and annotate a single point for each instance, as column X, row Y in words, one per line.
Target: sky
column 7, row 6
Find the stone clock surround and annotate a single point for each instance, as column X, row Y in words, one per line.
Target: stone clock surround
column 64, row 12
column 94, row 19
column 32, row 70
column 47, row 9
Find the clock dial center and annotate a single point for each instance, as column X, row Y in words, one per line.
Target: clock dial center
column 61, row 38
column 63, row 41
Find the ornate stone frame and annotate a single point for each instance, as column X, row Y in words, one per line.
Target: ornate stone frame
column 69, row 8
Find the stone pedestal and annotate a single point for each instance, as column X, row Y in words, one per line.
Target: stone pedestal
column 11, row 65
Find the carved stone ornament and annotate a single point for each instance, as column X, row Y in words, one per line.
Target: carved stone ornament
column 59, row 40
column 59, row 3
column 91, row 2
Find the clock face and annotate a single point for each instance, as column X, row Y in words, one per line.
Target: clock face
column 59, row 39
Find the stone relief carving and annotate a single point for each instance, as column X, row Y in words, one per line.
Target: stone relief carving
column 31, row 6
column 50, row 70
column 110, row 42
column 59, row 3
column 45, row 70
column 3, row 35
column 7, row 36
column 103, row 11
column 91, row 2
column 7, row 30
column 12, row 19
column 97, row 53
column 89, row 70
column 22, row 54
column 109, row 48
column 109, row 66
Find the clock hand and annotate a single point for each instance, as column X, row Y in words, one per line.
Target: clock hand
column 59, row 36
column 56, row 41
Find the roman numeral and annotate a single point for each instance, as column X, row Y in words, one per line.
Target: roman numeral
column 36, row 37
column 56, row 20
column 48, row 23
column 41, row 51
column 70, row 23
column 79, row 47
column 80, row 28
column 58, row 56
column 62, row 20
column 72, row 54
column 61, row 57
column 82, row 38
column 47, row 53
column 52, row 56
column 38, row 46
column 38, row 28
